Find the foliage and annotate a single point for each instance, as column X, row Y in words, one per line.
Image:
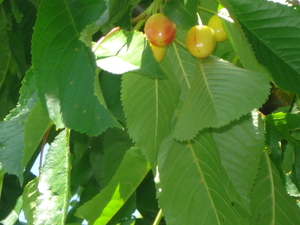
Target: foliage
column 133, row 141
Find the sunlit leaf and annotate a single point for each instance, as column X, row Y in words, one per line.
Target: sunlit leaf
column 130, row 51
column 65, row 70
column 53, row 185
column 220, row 93
column 105, row 205
column 30, row 196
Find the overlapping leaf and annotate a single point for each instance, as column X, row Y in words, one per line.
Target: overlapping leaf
column 273, row 30
column 283, row 126
column 179, row 62
column 5, row 53
column 240, row 140
column 191, row 183
column 16, row 134
column 105, row 205
column 220, row 93
column 270, row 203
column 185, row 13
column 115, row 144
column 242, row 47
column 149, row 106
column 65, row 70
column 30, row 196
column 53, row 185
column 130, row 51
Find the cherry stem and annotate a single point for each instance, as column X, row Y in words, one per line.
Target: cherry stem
column 208, row 10
column 42, row 149
column 139, row 17
column 199, row 20
column 235, row 59
column 140, row 24
column 158, row 217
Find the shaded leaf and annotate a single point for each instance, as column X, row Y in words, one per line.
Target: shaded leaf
column 5, row 53
column 276, row 207
column 11, row 144
column 149, row 106
column 11, row 199
column 105, row 205
column 86, row 12
column 182, row 12
column 240, row 140
column 220, row 93
column 191, row 176
column 242, row 47
column 36, row 126
column 116, row 142
column 273, row 31
column 19, row 137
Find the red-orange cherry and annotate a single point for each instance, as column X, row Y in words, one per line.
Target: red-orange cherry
column 159, row 30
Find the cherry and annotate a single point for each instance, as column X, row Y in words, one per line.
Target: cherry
column 201, row 41
column 159, row 30
column 216, row 24
column 158, row 52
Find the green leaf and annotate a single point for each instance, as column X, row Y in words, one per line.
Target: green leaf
column 14, row 214
column 2, row 172
column 86, row 12
column 273, row 31
column 37, row 123
column 179, row 62
column 117, row 9
column 30, row 196
column 191, row 183
column 242, row 47
column 279, row 126
column 206, row 9
column 105, row 205
column 5, row 53
column 11, row 200
column 185, row 13
column 116, row 142
column 149, row 106
column 11, row 144
column 276, row 207
column 18, row 137
column 111, row 89
column 220, row 93
column 240, row 140
column 18, row 15
column 65, row 70
column 53, row 186
column 130, row 51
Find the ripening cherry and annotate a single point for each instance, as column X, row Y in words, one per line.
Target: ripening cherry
column 159, row 30
column 216, row 24
column 158, row 52
column 201, row 41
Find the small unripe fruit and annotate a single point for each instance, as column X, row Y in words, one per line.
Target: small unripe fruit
column 201, row 41
column 159, row 30
column 216, row 24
